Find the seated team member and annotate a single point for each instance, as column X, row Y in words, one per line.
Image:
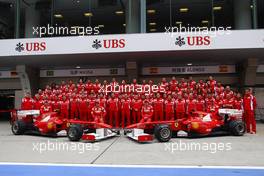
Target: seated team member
column 27, row 102
column 146, row 112
column 169, row 108
column 45, row 108
column 98, row 112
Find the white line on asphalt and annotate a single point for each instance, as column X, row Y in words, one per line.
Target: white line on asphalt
column 131, row 166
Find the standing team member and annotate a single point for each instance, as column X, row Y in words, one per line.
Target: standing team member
column 83, row 108
column 113, row 110
column 250, row 105
column 73, row 107
column 180, row 105
column 125, row 110
column 191, row 104
column 136, row 105
column 146, row 112
column 169, row 108
column 98, row 112
column 27, row 102
column 200, row 105
column 64, row 107
column 158, row 103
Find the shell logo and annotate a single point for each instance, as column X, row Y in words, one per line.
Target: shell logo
column 50, row 125
column 195, row 125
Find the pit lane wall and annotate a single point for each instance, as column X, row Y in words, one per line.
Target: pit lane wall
column 236, row 39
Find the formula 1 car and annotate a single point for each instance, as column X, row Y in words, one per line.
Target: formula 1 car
column 90, row 131
column 225, row 121
column 48, row 124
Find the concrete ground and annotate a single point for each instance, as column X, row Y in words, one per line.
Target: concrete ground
column 209, row 151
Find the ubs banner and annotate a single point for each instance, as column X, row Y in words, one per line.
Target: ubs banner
column 189, row 70
column 133, row 43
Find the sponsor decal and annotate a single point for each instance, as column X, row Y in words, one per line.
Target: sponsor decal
column 109, row 43
column 193, row 41
column 30, row 47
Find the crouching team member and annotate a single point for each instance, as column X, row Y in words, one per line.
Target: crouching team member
column 98, row 112
column 146, row 112
column 250, row 105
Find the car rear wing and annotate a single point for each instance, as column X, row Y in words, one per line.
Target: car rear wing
column 28, row 112
column 230, row 112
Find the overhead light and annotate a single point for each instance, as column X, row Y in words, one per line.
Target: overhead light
column 152, row 24
column 58, row 16
column 124, row 24
column 151, row 11
column 88, row 14
column 178, row 22
column 78, row 1
column 251, row 6
column 205, row 21
column 120, row 12
column 100, row 25
column 153, row 30
column 189, row 64
column 184, row 9
column 78, row 67
column 217, row 8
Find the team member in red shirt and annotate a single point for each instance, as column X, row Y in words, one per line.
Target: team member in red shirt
column 158, row 105
column 74, row 114
column 37, row 102
column 55, row 104
column 113, row 103
column 191, row 104
column 27, row 102
column 45, row 108
column 136, row 105
column 180, row 106
column 98, row 113
column 250, row 105
column 238, row 102
column 91, row 104
column 64, row 107
column 125, row 105
column 200, row 105
column 228, row 102
column 173, row 84
column 146, row 112
column 83, row 107
column 169, row 108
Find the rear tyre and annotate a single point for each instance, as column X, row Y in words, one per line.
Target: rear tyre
column 237, row 128
column 75, row 132
column 18, row 127
column 163, row 133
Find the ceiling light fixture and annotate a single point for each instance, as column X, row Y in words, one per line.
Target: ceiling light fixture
column 151, row 11
column 58, row 16
column 184, row 9
column 88, row 14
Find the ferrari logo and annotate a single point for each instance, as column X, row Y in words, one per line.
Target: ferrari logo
column 176, row 124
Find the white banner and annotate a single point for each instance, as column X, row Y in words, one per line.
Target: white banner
column 8, row 74
column 189, row 70
column 260, row 69
column 83, row 72
column 237, row 39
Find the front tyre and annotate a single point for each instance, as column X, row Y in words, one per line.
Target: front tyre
column 237, row 128
column 18, row 127
column 75, row 132
column 163, row 133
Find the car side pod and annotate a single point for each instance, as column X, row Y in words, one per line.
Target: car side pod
column 100, row 134
column 139, row 135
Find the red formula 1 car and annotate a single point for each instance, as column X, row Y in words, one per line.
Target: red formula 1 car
column 90, row 131
column 49, row 124
column 226, row 121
